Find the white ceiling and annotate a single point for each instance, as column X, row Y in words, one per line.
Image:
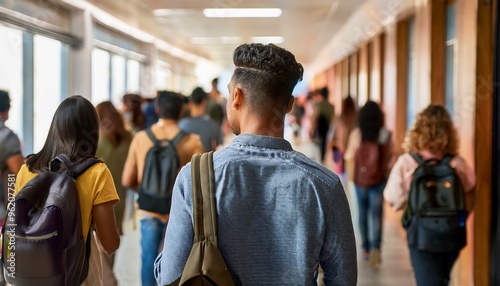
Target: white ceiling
column 307, row 26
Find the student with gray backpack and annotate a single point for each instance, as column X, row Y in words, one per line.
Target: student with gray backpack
column 435, row 187
column 153, row 161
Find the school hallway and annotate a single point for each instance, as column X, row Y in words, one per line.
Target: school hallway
column 395, row 268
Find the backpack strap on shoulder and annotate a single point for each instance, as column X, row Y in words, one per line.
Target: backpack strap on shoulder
column 73, row 169
column 417, row 157
column 203, row 187
column 60, row 161
column 82, row 166
column 447, row 158
column 178, row 137
column 152, row 137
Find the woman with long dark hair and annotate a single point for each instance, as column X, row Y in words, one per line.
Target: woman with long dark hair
column 368, row 156
column 74, row 131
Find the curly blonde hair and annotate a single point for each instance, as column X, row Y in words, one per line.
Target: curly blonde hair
column 433, row 131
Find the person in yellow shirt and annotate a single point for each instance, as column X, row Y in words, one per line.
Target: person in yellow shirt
column 74, row 131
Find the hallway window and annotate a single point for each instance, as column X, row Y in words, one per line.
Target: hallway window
column 163, row 75
column 118, row 83
column 411, row 95
column 451, row 44
column 133, row 76
column 48, row 84
column 11, row 74
column 100, row 76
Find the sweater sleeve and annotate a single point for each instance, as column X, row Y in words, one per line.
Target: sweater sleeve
column 338, row 253
column 398, row 185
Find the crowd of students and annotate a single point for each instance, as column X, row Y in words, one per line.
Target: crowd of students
column 271, row 231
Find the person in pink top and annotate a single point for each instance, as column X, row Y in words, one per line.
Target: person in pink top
column 433, row 136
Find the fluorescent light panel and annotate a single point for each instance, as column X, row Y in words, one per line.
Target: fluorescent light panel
column 242, row 13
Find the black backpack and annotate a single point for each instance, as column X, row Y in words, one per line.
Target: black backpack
column 160, row 170
column 42, row 239
column 435, row 215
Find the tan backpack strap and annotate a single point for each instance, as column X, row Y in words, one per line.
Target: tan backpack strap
column 203, row 184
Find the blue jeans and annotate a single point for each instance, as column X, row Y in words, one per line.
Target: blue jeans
column 152, row 233
column 432, row 269
column 370, row 203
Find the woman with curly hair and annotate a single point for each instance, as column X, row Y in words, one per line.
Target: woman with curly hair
column 433, row 136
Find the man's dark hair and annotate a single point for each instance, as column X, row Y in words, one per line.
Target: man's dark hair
column 268, row 74
column 215, row 81
column 198, row 96
column 4, row 101
column 170, row 104
column 370, row 121
column 324, row 92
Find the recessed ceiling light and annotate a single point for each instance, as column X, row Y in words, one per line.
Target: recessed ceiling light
column 242, row 13
column 268, row 40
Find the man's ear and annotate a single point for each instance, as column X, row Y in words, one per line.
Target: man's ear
column 238, row 97
column 290, row 104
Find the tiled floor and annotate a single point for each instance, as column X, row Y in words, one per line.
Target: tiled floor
column 395, row 268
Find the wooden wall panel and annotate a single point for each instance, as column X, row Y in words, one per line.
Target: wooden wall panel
column 345, row 68
column 353, row 76
column 438, row 60
column 401, row 82
column 483, row 141
column 423, row 52
column 376, row 66
column 330, row 84
column 390, row 80
column 363, row 78
column 337, row 88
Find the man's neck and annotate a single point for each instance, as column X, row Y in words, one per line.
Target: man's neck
column 163, row 122
column 272, row 127
column 197, row 111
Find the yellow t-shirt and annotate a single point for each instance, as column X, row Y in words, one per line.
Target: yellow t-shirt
column 95, row 186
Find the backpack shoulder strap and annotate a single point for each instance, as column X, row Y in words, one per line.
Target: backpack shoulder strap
column 80, row 167
column 446, row 159
column 178, row 137
column 203, row 187
column 151, row 136
column 417, row 157
column 73, row 169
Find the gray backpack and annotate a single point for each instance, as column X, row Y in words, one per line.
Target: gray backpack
column 160, row 170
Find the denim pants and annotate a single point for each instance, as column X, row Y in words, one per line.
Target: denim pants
column 370, row 204
column 152, row 233
column 432, row 269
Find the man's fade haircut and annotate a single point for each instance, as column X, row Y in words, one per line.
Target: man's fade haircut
column 268, row 73
column 198, row 95
column 4, row 101
column 170, row 104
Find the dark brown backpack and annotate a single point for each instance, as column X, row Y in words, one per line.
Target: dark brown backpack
column 205, row 264
column 42, row 239
column 370, row 163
